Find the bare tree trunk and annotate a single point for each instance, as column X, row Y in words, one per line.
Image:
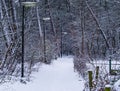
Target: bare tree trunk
column 68, row 5
column 51, row 19
column 82, row 25
column 39, row 23
column 100, row 29
column 5, row 24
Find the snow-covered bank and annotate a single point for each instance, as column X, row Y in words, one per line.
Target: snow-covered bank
column 59, row 76
column 111, row 80
column 117, row 85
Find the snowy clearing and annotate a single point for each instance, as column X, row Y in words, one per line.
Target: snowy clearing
column 59, row 76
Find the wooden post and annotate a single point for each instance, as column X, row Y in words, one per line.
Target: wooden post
column 107, row 88
column 110, row 66
column 97, row 72
column 90, row 79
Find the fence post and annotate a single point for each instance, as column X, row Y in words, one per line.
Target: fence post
column 90, row 79
column 97, row 72
column 107, row 88
column 110, row 66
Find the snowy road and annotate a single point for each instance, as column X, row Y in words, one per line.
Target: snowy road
column 59, row 76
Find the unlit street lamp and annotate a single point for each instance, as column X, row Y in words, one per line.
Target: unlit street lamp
column 44, row 37
column 24, row 4
column 61, row 44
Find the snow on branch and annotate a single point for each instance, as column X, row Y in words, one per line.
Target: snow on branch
column 97, row 22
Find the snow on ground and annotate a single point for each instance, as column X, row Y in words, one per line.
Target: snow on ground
column 59, row 76
column 117, row 85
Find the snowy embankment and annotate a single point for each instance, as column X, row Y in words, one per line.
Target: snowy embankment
column 59, row 76
column 104, row 71
column 117, row 85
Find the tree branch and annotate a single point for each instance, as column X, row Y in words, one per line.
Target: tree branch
column 96, row 20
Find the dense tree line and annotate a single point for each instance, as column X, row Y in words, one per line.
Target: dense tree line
column 83, row 28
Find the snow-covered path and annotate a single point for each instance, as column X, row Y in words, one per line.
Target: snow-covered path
column 59, row 76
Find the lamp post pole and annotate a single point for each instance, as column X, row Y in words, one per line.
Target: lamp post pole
column 61, row 43
column 22, row 64
column 24, row 4
column 44, row 38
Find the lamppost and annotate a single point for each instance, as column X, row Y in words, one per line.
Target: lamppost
column 61, row 41
column 62, row 36
column 24, row 4
column 44, row 37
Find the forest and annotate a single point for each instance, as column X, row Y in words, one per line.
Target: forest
column 86, row 29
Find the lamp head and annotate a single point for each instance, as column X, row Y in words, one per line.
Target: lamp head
column 29, row 4
column 46, row 18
